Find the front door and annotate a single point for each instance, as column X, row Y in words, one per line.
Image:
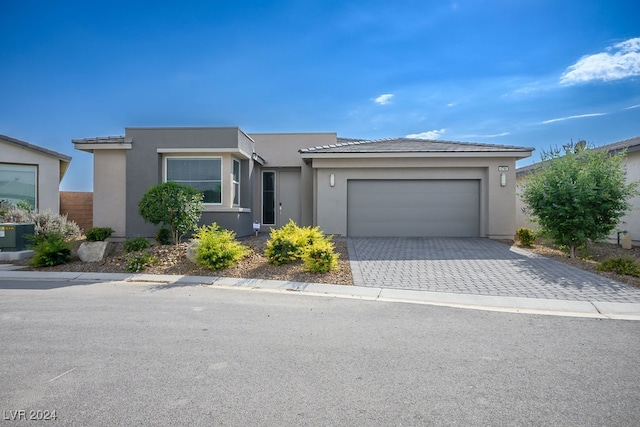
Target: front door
column 280, row 197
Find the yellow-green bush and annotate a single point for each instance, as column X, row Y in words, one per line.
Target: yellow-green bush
column 320, row 256
column 218, row 248
column 526, row 236
column 287, row 244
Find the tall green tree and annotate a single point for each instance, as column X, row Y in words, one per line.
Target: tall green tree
column 578, row 194
column 174, row 205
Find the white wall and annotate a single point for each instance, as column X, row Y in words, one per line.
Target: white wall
column 48, row 191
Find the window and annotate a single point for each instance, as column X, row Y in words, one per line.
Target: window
column 201, row 173
column 269, row 198
column 18, row 183
column 236, row 182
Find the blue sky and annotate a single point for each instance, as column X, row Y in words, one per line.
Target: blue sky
column 533, row 73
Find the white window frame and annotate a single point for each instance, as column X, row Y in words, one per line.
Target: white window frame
column 35, row 180
column 236, row 184
column 166, row 161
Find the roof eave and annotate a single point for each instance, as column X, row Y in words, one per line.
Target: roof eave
column 520, row 154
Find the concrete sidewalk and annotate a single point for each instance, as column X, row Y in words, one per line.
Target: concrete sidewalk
column 594, row 309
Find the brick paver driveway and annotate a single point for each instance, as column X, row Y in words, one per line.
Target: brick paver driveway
column 475, row 266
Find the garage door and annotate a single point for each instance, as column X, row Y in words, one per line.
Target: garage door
column 433, row 208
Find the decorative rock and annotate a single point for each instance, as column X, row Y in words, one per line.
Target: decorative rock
column 93, row 251
column 191, row 251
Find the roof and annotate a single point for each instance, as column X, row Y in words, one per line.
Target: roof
column 37, row 148
column 630, row 145
column 103, row 140
column 410, row 145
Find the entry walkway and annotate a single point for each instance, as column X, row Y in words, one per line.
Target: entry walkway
column 478, row 267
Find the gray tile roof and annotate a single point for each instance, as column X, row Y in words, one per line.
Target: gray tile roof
column 631, row 145
column 43, row 150
column 409, row 145
column 121, row 139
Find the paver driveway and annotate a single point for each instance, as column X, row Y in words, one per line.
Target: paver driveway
column 475, row 266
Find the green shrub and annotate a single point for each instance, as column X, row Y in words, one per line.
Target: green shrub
column 136, row 244
column 50, row 250
column 139, row 261
column 624, row 265
column 320, row 256
column 176, row 206
column 218, row 248
column 526, row 236
column 99, row 234
column 287, row 244
column 163, row 236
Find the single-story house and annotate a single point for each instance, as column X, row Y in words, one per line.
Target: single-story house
column 630, row 223
column 31, row 173
column 349, row 187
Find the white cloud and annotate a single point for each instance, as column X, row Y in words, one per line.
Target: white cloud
column 632, row 107
column 620, row 61
column 573, row 117
column 432, row 134
column 491, row 135
column 451, row 104
column 383, row 99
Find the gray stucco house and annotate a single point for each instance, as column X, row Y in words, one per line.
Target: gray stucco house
column 31, row 173
column 349, row 187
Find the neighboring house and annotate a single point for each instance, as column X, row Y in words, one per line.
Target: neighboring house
column 349, row 187
column 630, row 222
column 31, row 173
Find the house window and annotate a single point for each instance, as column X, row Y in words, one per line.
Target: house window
column 18, row 183
column 269, row 198
column 236, row 182
column 202, row 173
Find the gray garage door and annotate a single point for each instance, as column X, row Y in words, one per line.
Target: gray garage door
column 435, row 208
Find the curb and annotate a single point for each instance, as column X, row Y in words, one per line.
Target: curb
column 587, row 309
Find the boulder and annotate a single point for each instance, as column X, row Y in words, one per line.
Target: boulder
column 94, row 251
column 191, row 251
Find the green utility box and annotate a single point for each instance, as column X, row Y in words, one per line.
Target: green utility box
column 13, row 237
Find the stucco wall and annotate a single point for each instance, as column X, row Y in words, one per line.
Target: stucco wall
column 144, row 168
column 110, row 191
column 497, row 203
column 48, row 173
column 281, row 150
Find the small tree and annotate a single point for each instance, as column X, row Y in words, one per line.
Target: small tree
column 177, row 206
column 578, row 196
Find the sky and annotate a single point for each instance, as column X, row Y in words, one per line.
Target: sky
column 531, row 73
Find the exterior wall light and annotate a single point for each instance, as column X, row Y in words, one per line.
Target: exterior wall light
column 332, row 180
column 503, row 180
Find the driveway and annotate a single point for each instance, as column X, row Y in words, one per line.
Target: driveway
column 476, row 266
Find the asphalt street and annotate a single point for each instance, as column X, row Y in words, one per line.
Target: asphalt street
column 116, row 353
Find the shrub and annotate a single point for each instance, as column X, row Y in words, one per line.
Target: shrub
column 217, row 248
column 139, row 261
column 176, row 206
column 624, row 265
column 98, row 234
column 50, row 250
column 526, row 236
column 163, row 236
column 47, row 222
column 320, row 256
column 136, row 244
column 289, row 243
column 11, row 213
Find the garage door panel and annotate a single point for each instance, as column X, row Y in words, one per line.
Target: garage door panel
column 435, row 208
